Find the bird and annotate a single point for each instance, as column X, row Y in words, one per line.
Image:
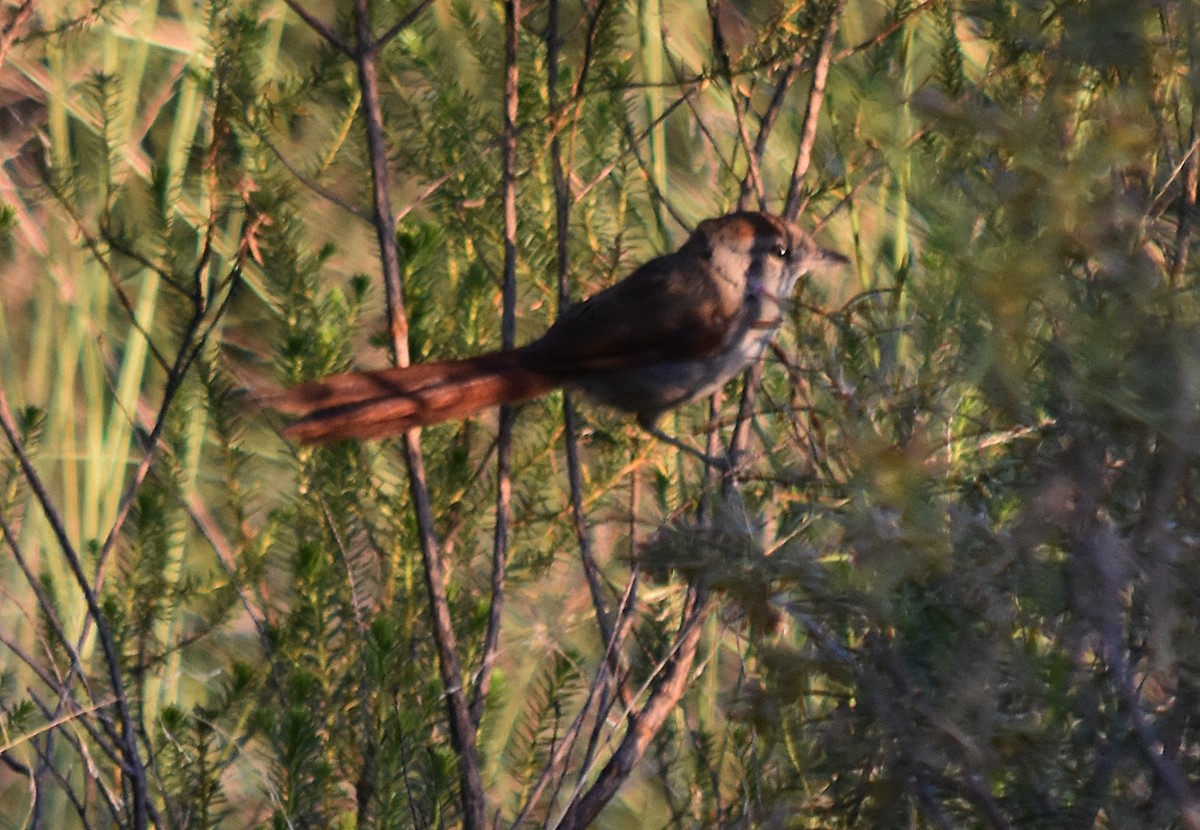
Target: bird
column 673, row 331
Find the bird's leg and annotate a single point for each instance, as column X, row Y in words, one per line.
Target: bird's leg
column 650, row 423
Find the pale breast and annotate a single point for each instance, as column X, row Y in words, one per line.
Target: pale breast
column 658, row 386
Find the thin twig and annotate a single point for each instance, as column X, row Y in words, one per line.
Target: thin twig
column 808, row 134
column 726, row 164
column 54, row 723
column 740, row 435
column 382, row 216
column 645, row 724
column 12, row 28
column 45, row 605
column 562, row 214
column 604, row 678
column 589, row 48
column 428, row 191
column 1187, row 206
column 131, row 759
column 767, row 123
column 812, row 111
column 401, row 24
column 39, row 670
column 753, row 176
column 318, row 25
column 636, row 141
column 884, row 33
column 508, row 335
column 311, row 183
column 204, row 521
column 110, row 799
column 188, row 350
column 1157, row 201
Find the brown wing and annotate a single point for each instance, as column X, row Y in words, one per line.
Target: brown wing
column 662, row 311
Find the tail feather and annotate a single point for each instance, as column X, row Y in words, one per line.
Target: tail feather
column 390, row 401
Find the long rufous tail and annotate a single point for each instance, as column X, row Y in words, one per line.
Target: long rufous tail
column 390, row 401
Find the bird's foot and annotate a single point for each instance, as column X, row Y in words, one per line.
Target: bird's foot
column 722, row 462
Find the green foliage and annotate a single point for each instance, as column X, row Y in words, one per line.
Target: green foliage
column 954, row 580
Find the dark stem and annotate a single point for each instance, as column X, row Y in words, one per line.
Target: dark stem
column 462, row 731
column 562, row 218
column 131, row 759
column 646, row 723
column 508, row 334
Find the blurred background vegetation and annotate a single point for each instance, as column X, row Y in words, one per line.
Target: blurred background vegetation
column 955, row 581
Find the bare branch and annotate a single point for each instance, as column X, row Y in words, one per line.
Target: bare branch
column 54, row 723
column 646, row 723
column 698, row 117
column 312, row 184
column 812, row 111
column 635, row 141
column 767, row 123
column 604, row 678
column 382, row 216
column 562, row 213
column 508, row 334
column 131, row 759
column 110, row 799
column 462, row 729
column 318, row 25
column 1187, row 205
column 753, row 176
column 429, row 190
column 401, row 24
column 886, row 32
column 44, row 603
column 12, row 27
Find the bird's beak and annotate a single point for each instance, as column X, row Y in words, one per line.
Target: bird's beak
column 826, row 258
column 821, row 259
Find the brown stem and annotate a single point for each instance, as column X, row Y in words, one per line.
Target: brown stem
column 767, row 123
column 44, row 603
column 562, row 216
column 1187, row 205
column 320, row 28
column 189, row 348
column 385, row 225
column 808, row 135
column 753, row 178
column 886, row 32
column 12, row 29
column 131, row 759
column 462, row 730
column 646, row 723
column 741, row 425
column 508, row 333
column 812, row 112
column 564, row 749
